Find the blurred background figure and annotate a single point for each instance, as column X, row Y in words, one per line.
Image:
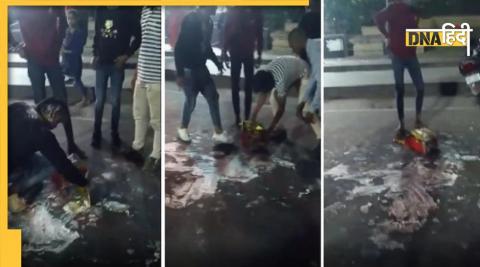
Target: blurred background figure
column 43, row 30
column 72, row 49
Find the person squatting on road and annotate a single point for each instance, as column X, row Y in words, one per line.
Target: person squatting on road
column 242, row 35
column 72, row 49
column 146, row 95
column 192, row 50
column 34, row 157
column 112, row 46
column 400, row 16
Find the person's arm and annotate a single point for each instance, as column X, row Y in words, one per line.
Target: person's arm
column 381, row 19
column 227, row 36
column 76, row 45
column 97, row 32
column 259, row 33
column 261, row 100
column 210, row 54
column 227, row 32
column 66, row 121
column 179, row 54
column 11, row 40
column 50, row 148
column 136, row 34
column 281, row 101
column 315, row 105
column 312, row 97
column 133, row 81
column 62, row 22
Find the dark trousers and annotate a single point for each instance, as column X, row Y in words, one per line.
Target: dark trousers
column 413, row 67
column 37, row 73
column 197, row 81
column 73, row 66
column 104, row 73
column 236, row 65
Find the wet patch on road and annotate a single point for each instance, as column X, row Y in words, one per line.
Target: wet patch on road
column 121, row 198
column 394, row 192
column 230, row 207
column 194, row 172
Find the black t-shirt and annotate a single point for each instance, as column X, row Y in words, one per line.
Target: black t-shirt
column 310, row 23
column 28, row 133
column 114, row 29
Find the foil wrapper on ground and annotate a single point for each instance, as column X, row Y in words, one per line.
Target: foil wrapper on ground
column 80, row 201
column 422, row 141
column 251, row 132
column 79, row 196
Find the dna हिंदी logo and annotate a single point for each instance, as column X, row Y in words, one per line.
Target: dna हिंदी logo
column 449, row 35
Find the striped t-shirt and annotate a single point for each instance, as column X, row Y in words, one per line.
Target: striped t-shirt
column 286, row 70
column 149, row 58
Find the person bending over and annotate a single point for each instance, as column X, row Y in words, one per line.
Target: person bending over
column 33, row 150
column 275, row 80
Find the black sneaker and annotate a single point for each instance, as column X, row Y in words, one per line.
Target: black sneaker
column 116, row 141
column 134, row 156
column 96, row 141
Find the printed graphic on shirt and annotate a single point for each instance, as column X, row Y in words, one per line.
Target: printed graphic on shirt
column 108, row 31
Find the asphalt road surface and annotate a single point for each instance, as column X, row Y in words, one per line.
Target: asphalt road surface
column 243, row 207
column 384, row 205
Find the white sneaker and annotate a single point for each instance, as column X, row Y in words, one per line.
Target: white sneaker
column 183, row 135
column 221, row 138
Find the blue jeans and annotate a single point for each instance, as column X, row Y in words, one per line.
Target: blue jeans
column 197, row 81
column 37, row 72
column 413, row 67
column 312, row 95
column 116, row 77
column 32, row 174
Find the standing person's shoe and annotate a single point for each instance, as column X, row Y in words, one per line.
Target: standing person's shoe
column 96, row 140
column 116, row 141
column 135, row 156
column 182, row 134
column 152, row 165
column 221, row 138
